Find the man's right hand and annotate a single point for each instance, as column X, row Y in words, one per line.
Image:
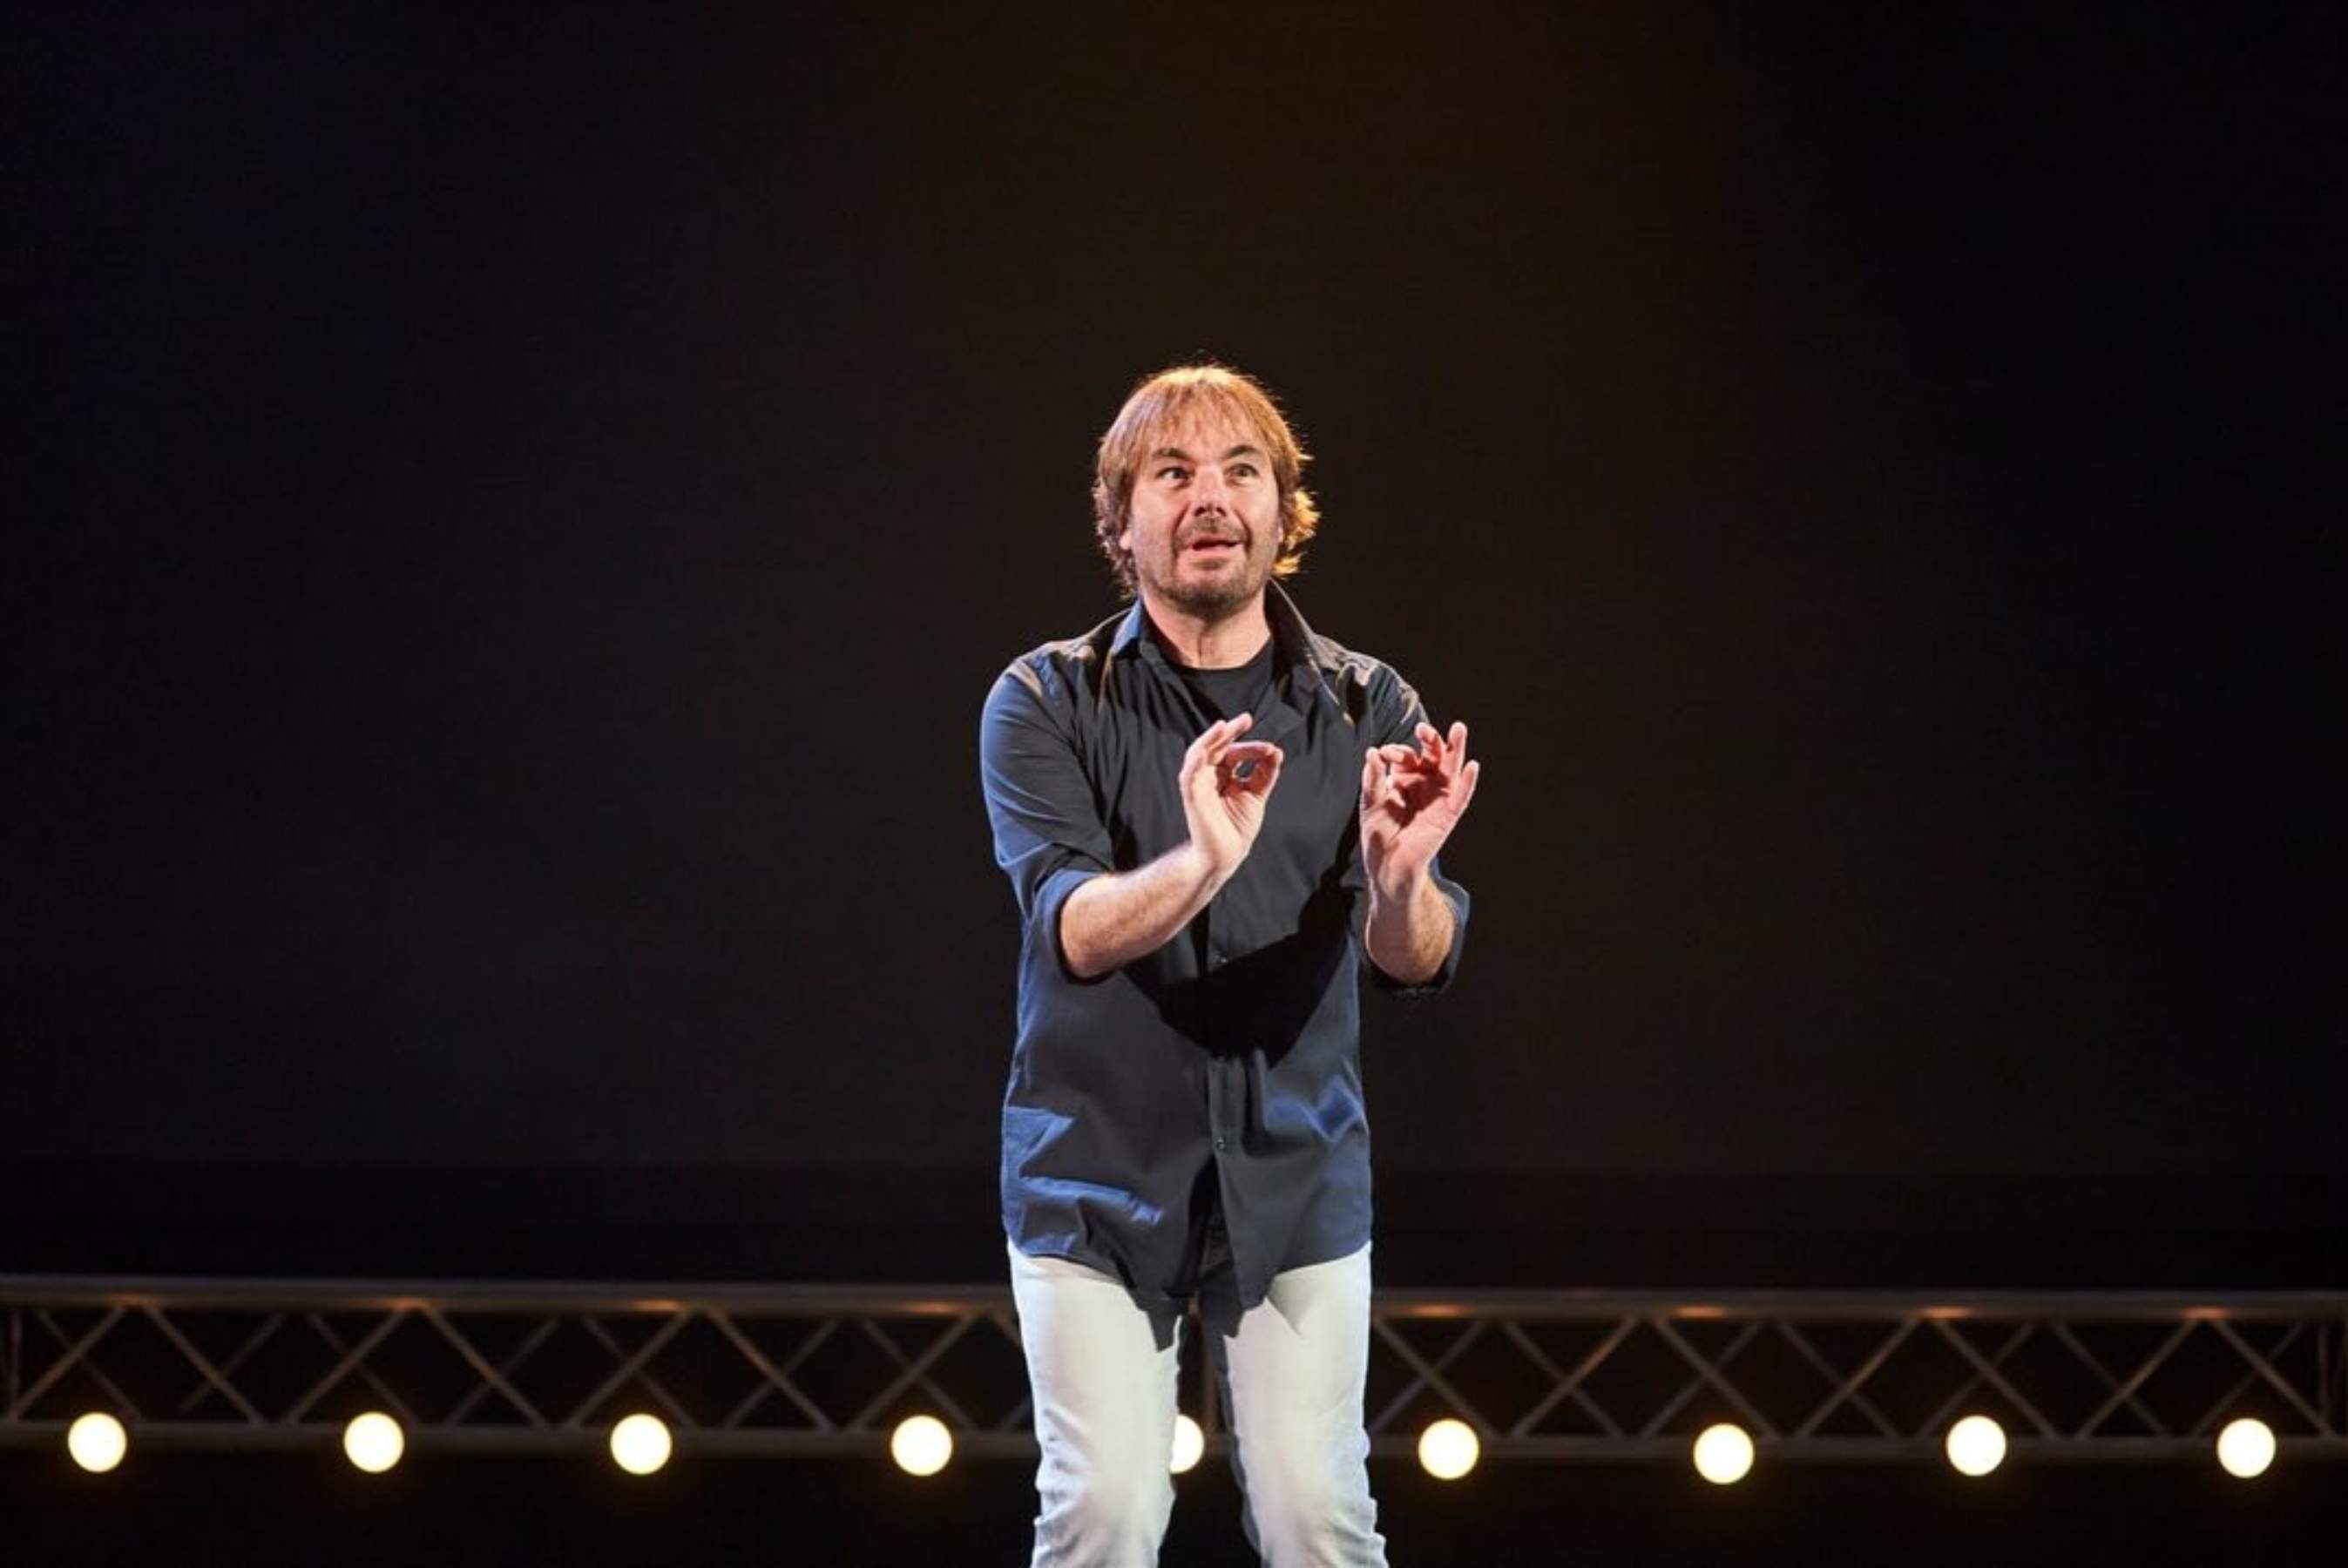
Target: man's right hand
column 1113, row 919
column 1226, row 783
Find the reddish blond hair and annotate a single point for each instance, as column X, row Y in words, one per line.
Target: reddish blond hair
column 1162, row 405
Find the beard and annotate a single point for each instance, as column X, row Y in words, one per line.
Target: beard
column 1210, row 597
column 1214, row 600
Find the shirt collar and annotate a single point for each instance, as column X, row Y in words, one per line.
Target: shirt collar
column 1291, row 640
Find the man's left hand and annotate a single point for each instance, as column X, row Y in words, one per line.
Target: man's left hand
column 1411, row 800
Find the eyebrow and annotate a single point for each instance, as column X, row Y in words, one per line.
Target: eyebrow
column 1242, row 450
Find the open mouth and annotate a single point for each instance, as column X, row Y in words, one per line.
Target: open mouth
column 1212, row 546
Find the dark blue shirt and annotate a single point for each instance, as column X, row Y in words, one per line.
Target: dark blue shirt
column 1219, row 1076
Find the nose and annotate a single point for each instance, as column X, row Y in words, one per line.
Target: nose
column 1207, row 491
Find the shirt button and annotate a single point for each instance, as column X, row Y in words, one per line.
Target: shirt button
column 1222, row 1142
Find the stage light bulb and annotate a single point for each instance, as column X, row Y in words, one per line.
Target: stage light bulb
column 1189, row 1444
column 96, row 1441
column 2246, row 1447
column 1723, row 1454
column 374, row 1442
column 920, row 1445
column 641, row 1444
column 1976, row 1445
column 1449, row 1448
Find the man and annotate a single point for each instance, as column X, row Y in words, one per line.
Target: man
column 1209, row 814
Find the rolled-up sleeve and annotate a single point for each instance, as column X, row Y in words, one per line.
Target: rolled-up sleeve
column 1049, row 833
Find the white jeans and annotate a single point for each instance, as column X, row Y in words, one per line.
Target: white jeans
column 1103, row 1370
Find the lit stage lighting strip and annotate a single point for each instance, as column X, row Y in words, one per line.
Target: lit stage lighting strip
column 831, row 1370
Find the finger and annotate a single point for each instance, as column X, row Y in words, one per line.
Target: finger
column 1467, row 777
column 1377, row 779
column 1203, row 751
column 1455, row 748
column 1266, row 771
column 1409, row 765
column 1430, row 740
column 1222, row 733
column 1251, row 755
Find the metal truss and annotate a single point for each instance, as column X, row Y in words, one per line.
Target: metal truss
column 828, row 1370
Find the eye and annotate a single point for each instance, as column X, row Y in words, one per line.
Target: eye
column 1173, row 471
column 1242, row 470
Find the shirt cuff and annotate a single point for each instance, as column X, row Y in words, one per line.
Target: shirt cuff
column 1457, row 896
column 1055, row 893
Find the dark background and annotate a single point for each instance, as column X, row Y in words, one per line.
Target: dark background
column 514, row 513
column 518, row 512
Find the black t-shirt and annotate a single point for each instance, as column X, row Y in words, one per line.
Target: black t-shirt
column 1228, row 693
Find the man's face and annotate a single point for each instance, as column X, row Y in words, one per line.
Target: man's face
column 1204, row 522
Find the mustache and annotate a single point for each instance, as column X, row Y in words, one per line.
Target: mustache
column 1209, row 534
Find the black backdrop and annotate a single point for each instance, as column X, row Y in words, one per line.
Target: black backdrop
column 517, row 515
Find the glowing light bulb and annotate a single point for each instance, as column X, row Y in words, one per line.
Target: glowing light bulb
column 374, row 1442
column 1723, row 1454
column 1189, row 1444
column 1449, row 1448
column 1976, row 1445
column 2246, row 1447
column 641, row 1444
column 920, row 1445
column 96, row 1441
